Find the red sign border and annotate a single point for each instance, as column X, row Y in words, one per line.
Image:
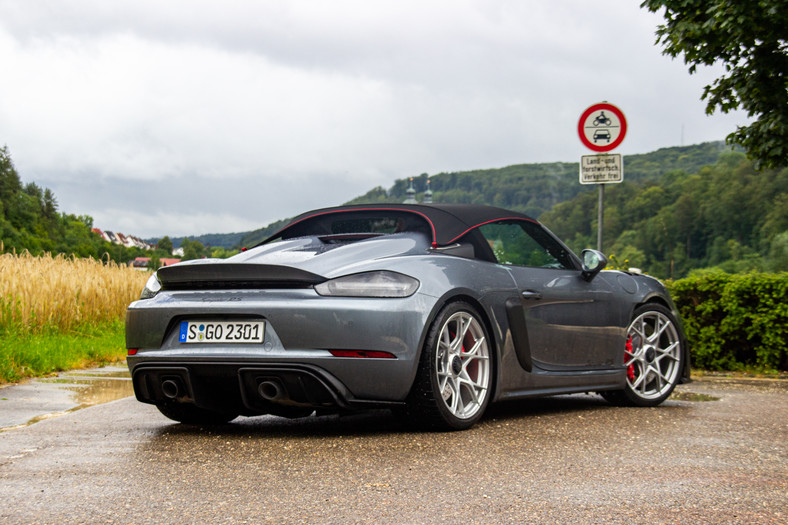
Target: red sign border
column 604, row 106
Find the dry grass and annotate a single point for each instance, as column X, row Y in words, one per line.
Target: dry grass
column 61, row 293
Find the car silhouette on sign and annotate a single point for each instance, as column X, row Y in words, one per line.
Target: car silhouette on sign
column 601, row 134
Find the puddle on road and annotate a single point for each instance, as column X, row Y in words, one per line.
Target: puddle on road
column 119, row 374
column 95, row 388
column 43, row 398
column 102, row 391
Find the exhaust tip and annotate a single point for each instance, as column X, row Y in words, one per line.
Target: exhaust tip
column 170, row 388
column 270, row 390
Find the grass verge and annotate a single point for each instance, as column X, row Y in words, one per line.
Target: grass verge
column 37, row 354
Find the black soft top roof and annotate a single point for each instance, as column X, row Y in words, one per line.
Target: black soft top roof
column 448, row 222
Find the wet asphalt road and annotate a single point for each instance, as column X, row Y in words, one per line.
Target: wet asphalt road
column 570, row 459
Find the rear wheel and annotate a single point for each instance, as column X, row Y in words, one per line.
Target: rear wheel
column 193, row 415
column 653, row 358
column 453, row 384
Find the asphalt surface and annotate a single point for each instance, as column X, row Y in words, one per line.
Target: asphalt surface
column 569, row 459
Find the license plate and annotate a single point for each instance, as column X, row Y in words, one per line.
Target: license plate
column 222, row 332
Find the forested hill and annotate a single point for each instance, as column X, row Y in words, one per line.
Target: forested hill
column 536, row 188
column 529, row 188
column 30, row 220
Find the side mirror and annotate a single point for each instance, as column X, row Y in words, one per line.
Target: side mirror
column 593, row 262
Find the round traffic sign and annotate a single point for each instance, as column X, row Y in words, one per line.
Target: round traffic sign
column 602, row 127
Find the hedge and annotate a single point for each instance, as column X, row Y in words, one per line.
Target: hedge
column 735, row 322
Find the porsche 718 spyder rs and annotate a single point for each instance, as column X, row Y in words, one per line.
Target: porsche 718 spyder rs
column 434, row 311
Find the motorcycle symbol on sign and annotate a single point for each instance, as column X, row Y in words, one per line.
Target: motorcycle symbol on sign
column 602, row 120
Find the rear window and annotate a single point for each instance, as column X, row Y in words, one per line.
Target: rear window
column 376, row 222
column 372, row 225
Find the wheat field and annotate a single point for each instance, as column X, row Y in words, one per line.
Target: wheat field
column 44, row 292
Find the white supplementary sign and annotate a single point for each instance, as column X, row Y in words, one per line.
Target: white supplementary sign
column 606, row 168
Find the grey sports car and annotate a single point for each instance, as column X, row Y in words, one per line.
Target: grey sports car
column 434, row 311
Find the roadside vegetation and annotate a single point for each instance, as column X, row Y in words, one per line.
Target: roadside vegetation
column 59, row 312
column 735, row 322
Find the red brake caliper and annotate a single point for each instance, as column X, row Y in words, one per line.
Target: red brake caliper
column 628, row 353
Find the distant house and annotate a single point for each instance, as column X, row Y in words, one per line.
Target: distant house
column 128, row 241
column 139, row 243
column 140, row 263
column 102, row 234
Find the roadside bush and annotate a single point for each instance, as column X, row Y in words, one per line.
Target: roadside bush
column 736, row 321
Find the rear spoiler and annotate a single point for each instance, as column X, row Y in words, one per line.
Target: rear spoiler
column 221, row 275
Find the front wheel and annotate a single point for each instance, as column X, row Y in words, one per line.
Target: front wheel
column 653, row 358
column 454, row 381
column 193, row 415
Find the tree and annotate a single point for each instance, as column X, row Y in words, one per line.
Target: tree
column 165, row 243
column 49, row 205
column 10, row 183
column 749, row 38
column 193, row 250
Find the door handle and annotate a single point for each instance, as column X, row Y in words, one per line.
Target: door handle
column 532, row 294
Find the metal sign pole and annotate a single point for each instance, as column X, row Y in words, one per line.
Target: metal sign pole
column 600, row 217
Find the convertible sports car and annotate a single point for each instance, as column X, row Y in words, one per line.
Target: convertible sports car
column 434, row 311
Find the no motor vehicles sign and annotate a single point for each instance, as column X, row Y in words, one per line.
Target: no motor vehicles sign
column 602, row 127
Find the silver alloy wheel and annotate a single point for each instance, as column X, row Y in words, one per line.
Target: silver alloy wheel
column 462, row 365
column 653, row 355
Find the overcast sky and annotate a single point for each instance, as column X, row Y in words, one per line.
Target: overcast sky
column 184, row 117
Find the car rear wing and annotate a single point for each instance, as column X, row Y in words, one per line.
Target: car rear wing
column 222, row 276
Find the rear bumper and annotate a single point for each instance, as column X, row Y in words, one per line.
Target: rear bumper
column 301, row 330
column 245, row 388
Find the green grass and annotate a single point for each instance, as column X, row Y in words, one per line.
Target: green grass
column 31, row 355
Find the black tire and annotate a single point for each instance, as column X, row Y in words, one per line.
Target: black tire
column 453, row 385
column 654, row 358
column 190, row 414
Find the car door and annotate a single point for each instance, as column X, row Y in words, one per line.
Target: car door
column 569, row 322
